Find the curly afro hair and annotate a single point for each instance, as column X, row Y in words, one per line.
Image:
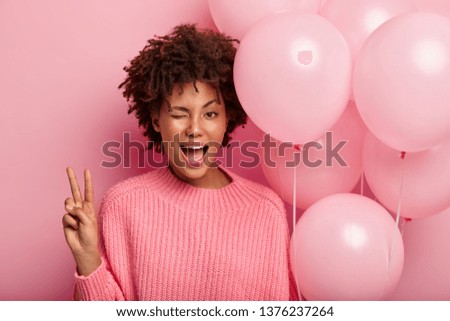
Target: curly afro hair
column 185, row 55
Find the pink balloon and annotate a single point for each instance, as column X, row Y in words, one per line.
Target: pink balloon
column 436, row 6
column 314, row 181
column 426, row 183
column 402, row 79
column 427, row 263
column 292, row 75
column 237, row 17
column 346, row 247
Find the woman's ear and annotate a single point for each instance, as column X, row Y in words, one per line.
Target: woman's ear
column 155, row 122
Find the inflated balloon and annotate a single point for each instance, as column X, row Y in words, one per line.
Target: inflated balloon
column 426, row 268
column 329, row 165
column 346, row 247
column 235, row 18
column 401, row 81
column 426, row 184
column 436, row 6
column 292, row 75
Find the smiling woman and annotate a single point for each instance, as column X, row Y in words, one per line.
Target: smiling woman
column 191, row 230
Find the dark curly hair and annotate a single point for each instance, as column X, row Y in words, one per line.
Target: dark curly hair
column 185, row 55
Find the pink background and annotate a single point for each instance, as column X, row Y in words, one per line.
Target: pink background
column 60, row 65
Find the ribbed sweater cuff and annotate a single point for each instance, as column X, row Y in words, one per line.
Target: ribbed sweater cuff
column 92, row 286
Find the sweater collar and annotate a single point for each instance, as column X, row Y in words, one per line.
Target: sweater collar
column 235, row 195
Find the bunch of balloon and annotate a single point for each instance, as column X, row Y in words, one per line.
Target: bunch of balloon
column 403, row 100
column 294, row 74
column 400, row 83
column 426, row 240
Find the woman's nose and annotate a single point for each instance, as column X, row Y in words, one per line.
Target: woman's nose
column 194, row 128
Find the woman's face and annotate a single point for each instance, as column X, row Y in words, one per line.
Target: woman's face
column 192, row 124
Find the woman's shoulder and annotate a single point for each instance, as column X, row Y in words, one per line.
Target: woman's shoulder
column 260, row 192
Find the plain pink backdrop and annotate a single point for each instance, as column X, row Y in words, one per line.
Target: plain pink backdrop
column 60, row 65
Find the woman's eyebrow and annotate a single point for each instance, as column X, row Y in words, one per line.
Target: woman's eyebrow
column 182, row 108
column 211, row 102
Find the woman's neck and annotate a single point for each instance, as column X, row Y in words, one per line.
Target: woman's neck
column 214, row 178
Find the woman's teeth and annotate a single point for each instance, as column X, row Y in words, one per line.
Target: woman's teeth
column 194, row 154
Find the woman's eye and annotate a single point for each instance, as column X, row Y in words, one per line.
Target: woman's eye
column 211, row 114
column 179, row 116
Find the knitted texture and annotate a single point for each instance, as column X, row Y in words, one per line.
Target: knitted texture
column 163, row 239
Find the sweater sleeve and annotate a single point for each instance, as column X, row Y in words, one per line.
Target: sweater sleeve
column 293, row 291
column 100, row 285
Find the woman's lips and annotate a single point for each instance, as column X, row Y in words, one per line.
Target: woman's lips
column 194, row 155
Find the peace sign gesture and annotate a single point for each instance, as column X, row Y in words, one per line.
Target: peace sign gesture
column 80, row 224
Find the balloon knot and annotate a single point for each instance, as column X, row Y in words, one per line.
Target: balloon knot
column 407, row 219
column 402, row 155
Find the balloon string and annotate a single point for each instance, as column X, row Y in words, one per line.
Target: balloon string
column 397, row 219
column 294, row 190
column 399, row 206
column 294, row 216
column 294, row 195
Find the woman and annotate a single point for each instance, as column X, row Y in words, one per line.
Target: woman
column 191, row 230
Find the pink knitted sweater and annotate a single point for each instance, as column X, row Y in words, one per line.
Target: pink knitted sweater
column 163, row 239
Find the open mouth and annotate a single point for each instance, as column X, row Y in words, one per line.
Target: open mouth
column 193, row 154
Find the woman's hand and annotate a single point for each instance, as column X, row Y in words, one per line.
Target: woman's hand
column 80, row 224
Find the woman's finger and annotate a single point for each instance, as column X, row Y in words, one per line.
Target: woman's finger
column 69, row 204
column 69, row 221
column 74, row 186
column 88, row 187
column 79, row 214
